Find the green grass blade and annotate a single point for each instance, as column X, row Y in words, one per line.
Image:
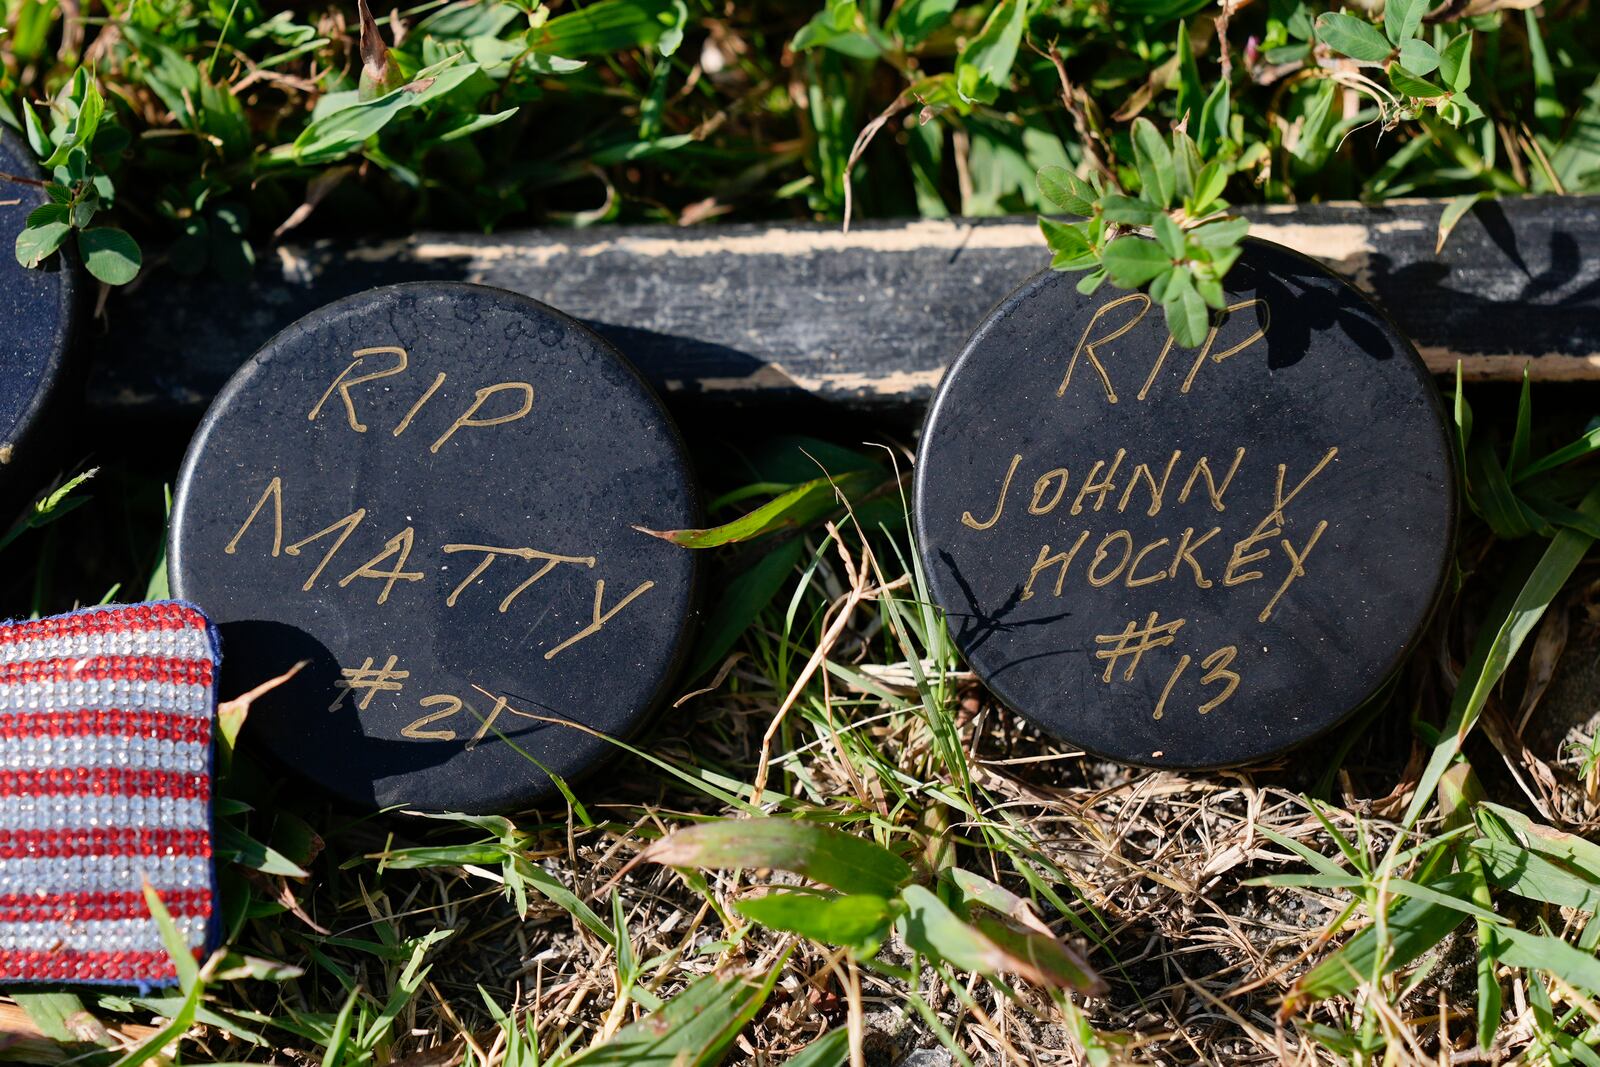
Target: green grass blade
column 1522, row 434
column 1586, row 445
column 843, row 861
column 1413, row 926
column 1493, row 496
column 1522, row 604
column 339, row 1037
column 800, row 505
column 156, row 1044
column 553, row 890
column 693, row 1029
column 172, row 939
column 742, row 601
column 830, row 1050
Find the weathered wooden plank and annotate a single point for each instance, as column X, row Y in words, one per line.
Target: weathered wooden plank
column 866, row 320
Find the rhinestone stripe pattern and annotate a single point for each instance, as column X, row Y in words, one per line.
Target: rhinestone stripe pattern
column 105, row 784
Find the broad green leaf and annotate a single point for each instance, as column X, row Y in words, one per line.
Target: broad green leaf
column 1455, row 62
column 1046, row 960
column 459, row 21
column 1407, row 83
column 1169, row 236
column 1401, row 19
column 825, row 31
column 338, row 130
column 975, row 889
column 803, row 503
column 109, row 254
column 1453, row 213
column 1209, row 184
column 1133, row 261
column 1191, row 90
column 696, row 1028
column 47, row 227
column 1569, row 849
column 61, row 1017
column 80, row 131
column 842, row 861
column 602, row 28
column 1418, row 56
column 1220, row 234
column 1186, row 312
column 1128, row 211
column 1413, row 926
column 858, row 921
column 931, row 928
column 91, row 109
column 1069, row 247
column 84, row 210
column 235, row 966
column 1314, row 141
column 1067, row 191
column 1212, row 130
column 468, row 124
column 1153, row 159
column 236, row 846
column 1354, row 37
column 990, row 55
column 914, row 20
column 1527, row 874
column 1186, row 166
column 38, row 139
column 1540, row 952
column 672, row 36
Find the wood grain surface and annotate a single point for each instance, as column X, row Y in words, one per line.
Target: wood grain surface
column 760, row 315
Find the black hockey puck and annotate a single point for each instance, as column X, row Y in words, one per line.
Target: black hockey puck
column 430, row 492
column 39, row 306
column 1187, row 557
